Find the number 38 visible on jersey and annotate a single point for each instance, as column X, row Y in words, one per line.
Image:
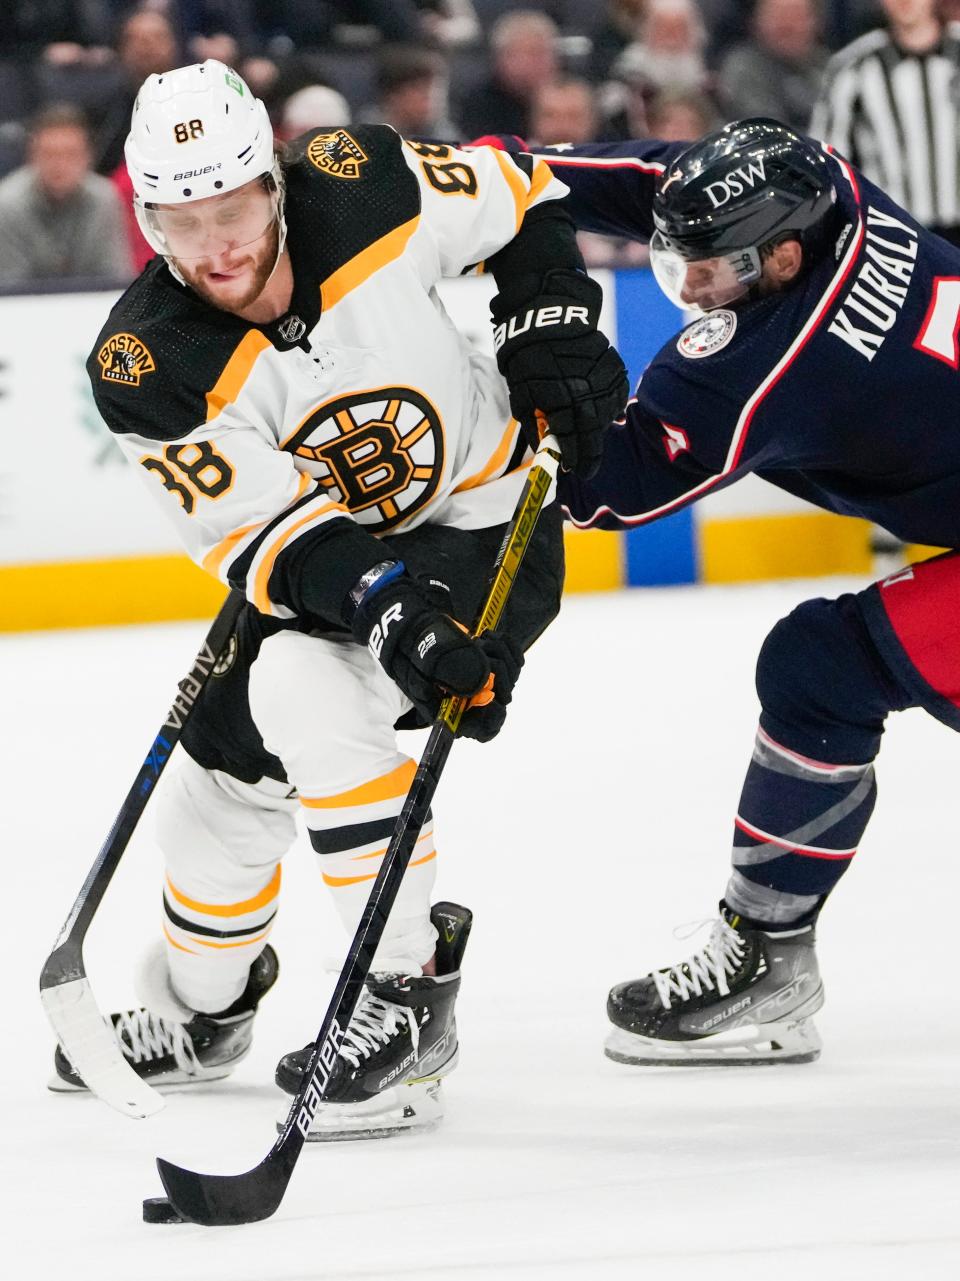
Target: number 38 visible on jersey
column 380, row 452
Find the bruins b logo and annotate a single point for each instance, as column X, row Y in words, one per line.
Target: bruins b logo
column 379, row 452
column 337, row 154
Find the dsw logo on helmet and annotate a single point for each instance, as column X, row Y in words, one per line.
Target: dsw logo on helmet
column 735, row 182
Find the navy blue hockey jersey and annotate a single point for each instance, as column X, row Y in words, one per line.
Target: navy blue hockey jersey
column 843, row 390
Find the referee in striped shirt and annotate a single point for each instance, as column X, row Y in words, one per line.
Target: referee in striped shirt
column 890, row 103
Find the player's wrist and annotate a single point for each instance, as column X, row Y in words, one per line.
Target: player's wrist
column 369, row 583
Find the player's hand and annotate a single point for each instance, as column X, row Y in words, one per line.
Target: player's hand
column 429, row 656
column 557, row 364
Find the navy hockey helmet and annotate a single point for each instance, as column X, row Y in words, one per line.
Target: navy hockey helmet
column 728, row 196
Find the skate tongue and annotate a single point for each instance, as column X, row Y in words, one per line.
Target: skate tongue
column 399, row 989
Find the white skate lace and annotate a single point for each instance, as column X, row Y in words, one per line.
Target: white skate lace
column 374, row 1022
column 145, row 1036
column 719, row 957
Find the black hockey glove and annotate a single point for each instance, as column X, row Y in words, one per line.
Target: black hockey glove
column 429, row 655
column 556, row 362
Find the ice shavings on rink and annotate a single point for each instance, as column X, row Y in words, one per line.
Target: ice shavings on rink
column 598, row 822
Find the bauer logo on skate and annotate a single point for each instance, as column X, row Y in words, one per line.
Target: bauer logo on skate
column 125, row 359
column 337, row 154
column 380, row 453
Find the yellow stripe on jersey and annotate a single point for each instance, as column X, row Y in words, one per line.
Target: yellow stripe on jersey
column 385, row 788
column 542, row 178
column 235, row 373
column 496, row 461
column 217, row 555
column 269, row 892
column 362, row 265
column 262, row 579
column 515, row 181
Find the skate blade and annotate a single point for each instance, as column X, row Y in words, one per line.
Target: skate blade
column 754, row 1045
column 170, row 1084
column 406, row 1109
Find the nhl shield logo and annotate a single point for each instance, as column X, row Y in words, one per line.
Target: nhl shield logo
column 292, row 329
column 707, row 335
column 124, row 359
column 337, row 154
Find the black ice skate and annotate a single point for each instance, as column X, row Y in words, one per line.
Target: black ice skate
column 746, row 997
column 166, row 1053
column 402, row 1040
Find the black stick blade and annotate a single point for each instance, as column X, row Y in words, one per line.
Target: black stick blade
column 222, row 1200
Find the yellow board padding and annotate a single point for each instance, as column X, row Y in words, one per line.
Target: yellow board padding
column 801, row 545
column 101, row 593
column 595, row 560
column 914, row 552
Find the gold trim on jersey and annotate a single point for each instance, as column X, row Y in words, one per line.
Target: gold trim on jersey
column 497, row 460
column 361, row 266
column 217, row 555
column 387, row 787
column 236, row 372
column 542, row 177
column 268, row 557
column 514, row 180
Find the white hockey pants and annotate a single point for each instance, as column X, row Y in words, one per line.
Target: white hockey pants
column 327, row 710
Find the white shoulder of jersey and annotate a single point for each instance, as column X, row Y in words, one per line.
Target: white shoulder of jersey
column 474, row 200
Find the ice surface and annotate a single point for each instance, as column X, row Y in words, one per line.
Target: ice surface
column 598, row 822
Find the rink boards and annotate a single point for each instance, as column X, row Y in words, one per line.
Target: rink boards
column 82, row 544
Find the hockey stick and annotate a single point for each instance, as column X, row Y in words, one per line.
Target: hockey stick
column 215, row 1199
column 65, row 992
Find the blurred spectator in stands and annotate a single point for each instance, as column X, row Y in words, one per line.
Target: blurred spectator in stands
column 57, row 218
column 890, row 105
column 412, row 94
column 450, row 24
column 778, row 73
column 523, row 47
column 669, row 53
column 564, row 110
column 624, row 105
column 147, row 43
column 680, row 117
column 311, row 107
column 287, row 25
column 620, row 28
column 205, row 28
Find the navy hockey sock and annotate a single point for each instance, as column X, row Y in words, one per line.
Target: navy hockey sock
column 798, row 827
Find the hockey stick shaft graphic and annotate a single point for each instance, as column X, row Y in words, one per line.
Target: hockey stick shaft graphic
column 64, row 988
column 245, row 1198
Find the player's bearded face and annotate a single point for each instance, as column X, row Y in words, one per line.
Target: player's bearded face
column 235, row 278
column 225, row 247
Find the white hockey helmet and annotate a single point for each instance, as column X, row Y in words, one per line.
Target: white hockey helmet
column 197, row 132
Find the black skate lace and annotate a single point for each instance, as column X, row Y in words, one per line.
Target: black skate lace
column 373, row 1024
column 143, row 1036
column 719, row 957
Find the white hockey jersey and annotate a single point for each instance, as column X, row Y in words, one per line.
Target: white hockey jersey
column 362, row 402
